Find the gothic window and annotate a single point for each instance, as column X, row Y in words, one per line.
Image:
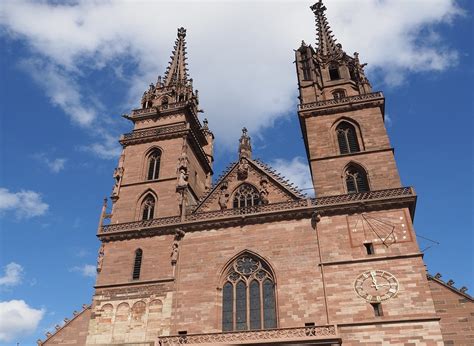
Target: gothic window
column 148, row 207
column 137, row 264
column 334, row 72
column 248, row 296
column 347, row 138
column 154, row 165
column 356, row 179
column 339, row 94
column 164, row 101
column 246, row 196
column 306, row 67
column 181, row 98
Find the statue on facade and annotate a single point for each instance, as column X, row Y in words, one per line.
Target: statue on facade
column 100, row 258
column 243, row 169
column 264, row 191
column 223, row 196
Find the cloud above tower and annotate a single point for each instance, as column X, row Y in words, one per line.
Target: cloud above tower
column 240, row 53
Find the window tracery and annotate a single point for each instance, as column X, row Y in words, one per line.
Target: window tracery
column 154, row 165
column 347, row 138
column 137, row 264
column 246, row 196
column 356, row 179
column 248, row 297
column 148, row 207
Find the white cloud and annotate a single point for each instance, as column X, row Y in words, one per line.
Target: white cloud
column 17, row 319
column 25, row 204
column 88, row 270
column 297, row 171
column 54, row 165
column 240, row 53
column 13, row 275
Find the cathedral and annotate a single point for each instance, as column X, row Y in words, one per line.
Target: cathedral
column 247, row 258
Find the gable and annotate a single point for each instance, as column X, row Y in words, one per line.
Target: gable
column 272, row 186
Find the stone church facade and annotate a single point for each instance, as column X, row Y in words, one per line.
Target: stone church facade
column 250, row 259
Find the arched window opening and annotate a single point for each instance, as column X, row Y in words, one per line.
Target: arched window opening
column 347, row 138
column 148, row 208
column 334, row 72
column 137, row 264
column 164, row 101
column 246, row 196
column 181, row 98
column 248, row 296
column 339, row 94
column 356, row 179
column 305, row 67
column 154, row 165
column 352, row 73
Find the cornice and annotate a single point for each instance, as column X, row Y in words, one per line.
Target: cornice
column 135, row 283
column 372, row 258
column 302, row 208
column 362, row 152
column 345, row 104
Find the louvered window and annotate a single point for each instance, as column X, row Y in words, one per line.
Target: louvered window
column 154, row 165
column 334, row 72
column 356, row 180
column 137, row 264
column 248, row 296
column 246, row 196
column 347, row 138
column 148, row 208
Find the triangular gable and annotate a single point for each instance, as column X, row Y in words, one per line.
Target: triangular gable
column 253, row 172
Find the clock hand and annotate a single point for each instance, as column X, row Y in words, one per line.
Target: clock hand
column 380, row 285
column 374, row 281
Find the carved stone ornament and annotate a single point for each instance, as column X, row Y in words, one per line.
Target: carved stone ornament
column 174, row 252
column 183, row 178
column 223, row 196
column 100, row 258
column 264, row 191
column 243, row 169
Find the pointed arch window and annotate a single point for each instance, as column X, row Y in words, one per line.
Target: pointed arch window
column 248, row 295
column 347, row 138
column 148, row 207
column 305, row 67
column 246, row 196
column 356, row 179
column 339, row 94
column 154, row 165
column 137, row 264
column 334, row 72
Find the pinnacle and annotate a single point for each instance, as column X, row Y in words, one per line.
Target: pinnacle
column 326, row 42
column 177, row 71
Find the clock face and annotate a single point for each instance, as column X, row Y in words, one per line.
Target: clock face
column 376, row 285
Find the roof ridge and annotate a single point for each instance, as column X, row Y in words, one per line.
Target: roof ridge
column 67, row 321
column 449, row 284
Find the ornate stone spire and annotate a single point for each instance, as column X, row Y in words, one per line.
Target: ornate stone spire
column 326, row 43
column 245, row 148
column 177, row 71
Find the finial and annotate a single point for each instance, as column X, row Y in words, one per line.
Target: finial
column 181, row 32
column 245, row 148
column 450, row 283
column 437, row 276
column 205, row 122
column 463, row 289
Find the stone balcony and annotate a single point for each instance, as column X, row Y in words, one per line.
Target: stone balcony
column 320, row 335
column 398, row 197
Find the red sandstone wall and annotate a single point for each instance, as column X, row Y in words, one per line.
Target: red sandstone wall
column 456, row 312
column 74, row 333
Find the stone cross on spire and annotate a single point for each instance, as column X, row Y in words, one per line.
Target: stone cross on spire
column 177, row 71
column 326, row 45
column 245, row 148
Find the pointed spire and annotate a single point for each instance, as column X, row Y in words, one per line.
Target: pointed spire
column 245, row 148
column 326, row 43
column 177, row 70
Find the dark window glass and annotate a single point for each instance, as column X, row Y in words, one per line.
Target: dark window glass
column 137, row 264
column 154, row 165
column 148, row 208
column 369, row 247
column 246, row 196
column 269, row 315
column 334, row 72
column 241, row 306
column 339, row 94
column 227, row 307
column 377, row 309
column 255, row 318
column 356, row 180
column 305, row 67
column 347, row 138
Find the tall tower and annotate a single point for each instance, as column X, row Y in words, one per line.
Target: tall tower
column 166, row 163
column 342, row 120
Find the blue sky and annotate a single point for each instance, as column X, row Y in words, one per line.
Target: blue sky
column 67, row 75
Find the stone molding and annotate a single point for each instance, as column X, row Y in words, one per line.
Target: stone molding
column 450, row 285
column 281, row 335
column 375, row 99
column 400, row 197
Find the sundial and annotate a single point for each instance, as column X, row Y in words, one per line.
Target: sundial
column 384, row 228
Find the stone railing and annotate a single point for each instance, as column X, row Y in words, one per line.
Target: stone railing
column 154, row 109
column 301, row 204
column 281, row 335
column 341, row 101
column 152, row 132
